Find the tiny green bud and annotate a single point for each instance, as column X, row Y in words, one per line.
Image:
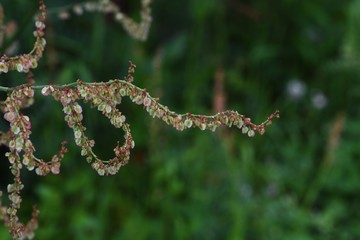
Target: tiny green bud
column 101, row 107
column 15, row 129
column 67, row 110
column 240, row 123
column 19, row 67
column 10, row 188
column 108, row 109
column 188, row 123
column 122, row 92
column 251, row 133
column 245, row 130
column 77, row 108
column 77, row 134
column 83, row 152
column 89, row 159
column 101, row 171
column 3, row 67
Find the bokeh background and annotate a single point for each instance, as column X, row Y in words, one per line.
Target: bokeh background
column 301, row 180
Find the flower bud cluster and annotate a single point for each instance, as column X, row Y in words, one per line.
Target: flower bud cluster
column 20, row 124
column 104, row 98
column 20, row 131
column 25, row 62
column 184, row 121
column 138, row 31
column 9, row 214
column 131, row 70
column 53, row 166
column 18, row 141
column 14, row 189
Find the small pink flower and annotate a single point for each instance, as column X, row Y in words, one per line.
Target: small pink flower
column 251, row 133
column 147, row 102
column 108, row 109
column 77, row 134
column 160, row 113
column 19, row 67
column 27, row 122
column 46, row 91
column 188, row 123
column 10, row 116
column 11, row 188
column 55, row 168
column 111, row 170
column 245, row 130
column 138, row 100
column 3, row 67
column 39, row 171
column 77, row 108
column 28, row 92
column 65, row 100
column 101, row 171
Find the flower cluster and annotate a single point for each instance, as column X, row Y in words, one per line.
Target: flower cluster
column 25, row 62
column 22, row 154
column 9, row 214
column 104, row 96
column 20, row 131
column 138, row 31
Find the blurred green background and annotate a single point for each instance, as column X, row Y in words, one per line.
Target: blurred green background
column 301, row 180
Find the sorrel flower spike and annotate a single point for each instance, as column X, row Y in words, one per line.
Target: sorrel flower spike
column 25, row 62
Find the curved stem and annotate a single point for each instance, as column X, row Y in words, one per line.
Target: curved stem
column 138, row 89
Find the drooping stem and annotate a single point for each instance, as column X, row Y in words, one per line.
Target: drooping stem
column 138, row 31
column 142, row 93
column 25, row 62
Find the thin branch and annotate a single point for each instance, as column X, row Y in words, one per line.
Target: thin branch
column 138, row 31
column 25, row 62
